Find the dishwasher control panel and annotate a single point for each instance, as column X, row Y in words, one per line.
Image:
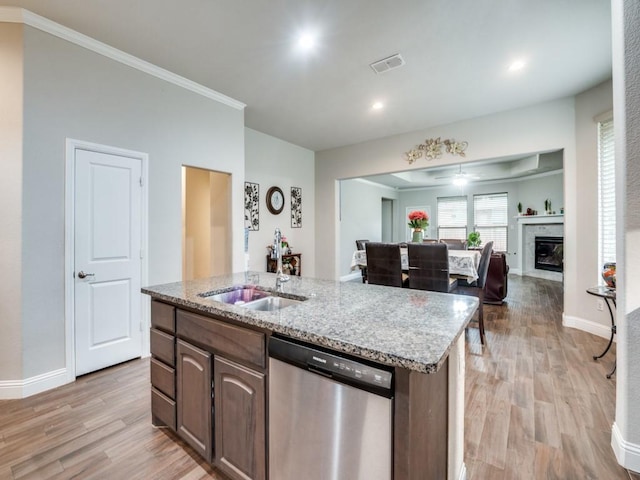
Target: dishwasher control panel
column 331, row 364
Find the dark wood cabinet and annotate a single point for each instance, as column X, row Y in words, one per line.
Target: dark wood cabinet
column 194, row 397
column 162, row 339
column 208, row 385
column 240, row 420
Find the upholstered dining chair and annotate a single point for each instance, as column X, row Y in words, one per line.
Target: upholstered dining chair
column 360, row 246
column 477, row 288
column 454, row 243
column 384, row 265
column 429, row 267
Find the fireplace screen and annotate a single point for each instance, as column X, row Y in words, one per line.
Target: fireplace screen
column 550, row 253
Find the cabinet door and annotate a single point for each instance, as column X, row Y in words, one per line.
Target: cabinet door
column 240, row 420
column 194, row 397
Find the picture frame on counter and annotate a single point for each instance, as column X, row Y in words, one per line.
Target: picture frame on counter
column 252, row 206
column 296, row 207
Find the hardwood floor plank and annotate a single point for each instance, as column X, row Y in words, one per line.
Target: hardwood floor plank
column 562, row 405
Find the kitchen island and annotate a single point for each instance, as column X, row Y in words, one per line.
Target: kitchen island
column 204, row 349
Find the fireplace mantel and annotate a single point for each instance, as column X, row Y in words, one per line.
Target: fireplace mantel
column 525, row 220
column 540, row 219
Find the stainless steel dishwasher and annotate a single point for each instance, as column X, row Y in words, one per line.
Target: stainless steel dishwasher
column 330, row 417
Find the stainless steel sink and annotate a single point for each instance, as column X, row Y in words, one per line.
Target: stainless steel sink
column 251, row 297
column 270, row 304
column 238, row 295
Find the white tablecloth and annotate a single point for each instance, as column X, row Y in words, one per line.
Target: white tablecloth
column 461, row 262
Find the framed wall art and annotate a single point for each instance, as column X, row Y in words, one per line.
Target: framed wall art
column 296, row 207
column 252, row 206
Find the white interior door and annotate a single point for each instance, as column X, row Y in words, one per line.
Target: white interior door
column 107, row 239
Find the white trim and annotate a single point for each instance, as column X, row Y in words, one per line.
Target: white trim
column 12, row 389
column 463, row 472
column 71, row 146
column 20, row 15
column 627, row 453
column 351, row 276
column 588, row 326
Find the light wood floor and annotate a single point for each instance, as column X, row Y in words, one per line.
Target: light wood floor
column 537, row 407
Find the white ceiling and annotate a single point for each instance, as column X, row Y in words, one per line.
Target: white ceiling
column 456, row 53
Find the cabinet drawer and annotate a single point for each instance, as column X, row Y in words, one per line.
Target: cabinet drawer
column 163, row 378
column 162, row 347
column 235, row 342
column 163, row 316
column 163, row 409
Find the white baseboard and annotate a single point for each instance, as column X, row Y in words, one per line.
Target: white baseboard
column 589, row 326
column 463, row 473
column 12, row 389
column 351, row 276
column 515, row 271
column 627, row 453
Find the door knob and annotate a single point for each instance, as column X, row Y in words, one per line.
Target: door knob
column 81, row 274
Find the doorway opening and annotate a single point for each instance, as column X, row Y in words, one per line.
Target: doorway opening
column 206, row 223
column 387, row 220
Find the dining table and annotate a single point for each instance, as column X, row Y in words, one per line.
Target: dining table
column 462, row 263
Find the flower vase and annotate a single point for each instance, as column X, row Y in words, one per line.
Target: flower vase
column 609, row 274
column 418, row 235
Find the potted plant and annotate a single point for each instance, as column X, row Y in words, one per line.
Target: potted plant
column 519, row 208
column 473, row 239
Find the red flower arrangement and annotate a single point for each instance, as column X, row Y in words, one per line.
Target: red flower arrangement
column 418, row 219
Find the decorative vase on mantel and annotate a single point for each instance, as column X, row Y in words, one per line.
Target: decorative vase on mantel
column 418, row 235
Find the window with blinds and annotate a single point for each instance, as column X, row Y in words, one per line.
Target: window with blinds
column 491, row 220
column 606, row 193
column 452, row 217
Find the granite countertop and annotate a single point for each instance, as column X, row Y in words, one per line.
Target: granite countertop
column 413, row 329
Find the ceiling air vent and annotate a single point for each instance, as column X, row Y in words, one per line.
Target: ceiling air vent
column 389, row 63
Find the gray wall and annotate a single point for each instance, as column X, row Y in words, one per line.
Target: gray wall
column 11, row 79
column 273, row 162
column 360, row 216
column 71, row 92
column 626, row 70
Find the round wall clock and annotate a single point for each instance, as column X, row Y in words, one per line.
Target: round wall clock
column 275, row 200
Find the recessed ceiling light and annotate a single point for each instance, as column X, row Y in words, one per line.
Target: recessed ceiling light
column 307, row 41
column 517, row 65
column 377, row 106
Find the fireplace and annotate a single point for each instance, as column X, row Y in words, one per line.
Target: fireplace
column 549, row 253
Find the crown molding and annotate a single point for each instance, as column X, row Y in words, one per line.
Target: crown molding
column 20, row 15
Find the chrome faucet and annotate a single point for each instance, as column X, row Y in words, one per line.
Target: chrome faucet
column 276, row 254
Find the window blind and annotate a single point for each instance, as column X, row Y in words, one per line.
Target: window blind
column 491, row 219
column 606, row 193
column 452, row 217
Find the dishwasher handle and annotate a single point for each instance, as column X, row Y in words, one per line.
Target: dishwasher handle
column 319, row 371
